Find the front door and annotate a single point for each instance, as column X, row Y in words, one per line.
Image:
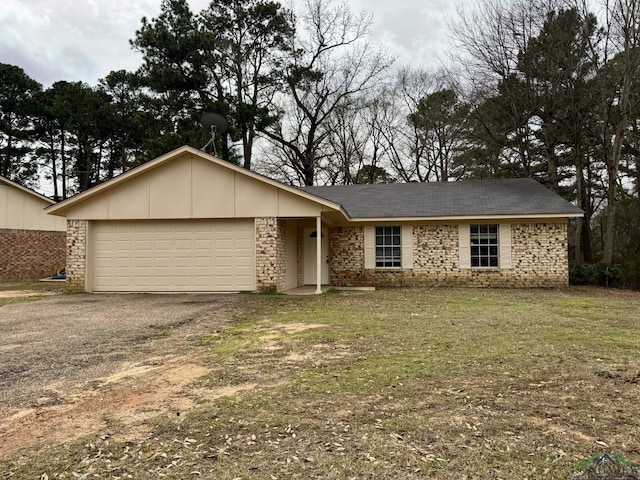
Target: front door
column 310, row 261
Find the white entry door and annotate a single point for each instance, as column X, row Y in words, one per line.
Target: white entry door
column 310, row 261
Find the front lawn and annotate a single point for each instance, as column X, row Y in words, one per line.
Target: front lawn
column 393, row 384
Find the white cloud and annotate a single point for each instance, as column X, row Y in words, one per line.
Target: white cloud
column 86, row 39
column 415, row 31
column 70, row 39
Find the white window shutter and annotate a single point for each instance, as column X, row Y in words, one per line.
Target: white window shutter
column 407, row 247
column 504, row 230
column 464, row 247
column 369, row 247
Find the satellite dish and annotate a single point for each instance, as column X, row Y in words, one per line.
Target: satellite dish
column 213, row 123
column 211, row 120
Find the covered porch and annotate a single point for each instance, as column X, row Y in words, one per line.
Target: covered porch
column 292, row 253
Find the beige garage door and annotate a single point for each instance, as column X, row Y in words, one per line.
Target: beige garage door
column 173, row 256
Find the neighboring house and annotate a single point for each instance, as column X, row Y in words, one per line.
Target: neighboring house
column 187, row 221
column 32, row 243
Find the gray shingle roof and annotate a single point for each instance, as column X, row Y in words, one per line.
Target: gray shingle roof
column 513, row 196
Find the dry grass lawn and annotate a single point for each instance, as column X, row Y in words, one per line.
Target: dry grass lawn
column 392, row 384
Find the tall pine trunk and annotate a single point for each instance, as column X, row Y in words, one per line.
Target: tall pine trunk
column 613, row 166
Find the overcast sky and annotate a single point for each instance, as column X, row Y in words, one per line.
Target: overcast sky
column 86, row 39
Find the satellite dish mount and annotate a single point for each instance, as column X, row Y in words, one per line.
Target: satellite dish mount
column 214, row 123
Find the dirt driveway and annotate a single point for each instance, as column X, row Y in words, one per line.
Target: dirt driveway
column 75, row 364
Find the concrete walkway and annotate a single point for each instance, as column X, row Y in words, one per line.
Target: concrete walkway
column 311, row 290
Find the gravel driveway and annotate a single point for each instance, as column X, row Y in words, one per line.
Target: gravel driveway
column 72, row 339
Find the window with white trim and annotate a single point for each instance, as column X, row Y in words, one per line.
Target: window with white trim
column 388, row 247
column 484, row 246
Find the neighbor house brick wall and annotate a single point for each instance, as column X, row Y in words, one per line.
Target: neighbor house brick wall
column 30, row 254
column 76, row 255
column 271, row 264
column 538, row 256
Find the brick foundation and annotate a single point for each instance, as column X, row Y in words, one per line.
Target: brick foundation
column 538, row 256
column 76, row 255
column 30, row 254
column 271, row 263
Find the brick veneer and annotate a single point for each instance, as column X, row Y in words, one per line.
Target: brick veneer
column 76, row 254
column 271, row 263
column 30, row 254
column 538, row 255
column 346, row 256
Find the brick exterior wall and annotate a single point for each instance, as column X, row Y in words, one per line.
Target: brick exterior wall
column 540, row 253
column 271, row 264
column 346, row 256
column 30, row 254
column 76, row 254
column 538, row 256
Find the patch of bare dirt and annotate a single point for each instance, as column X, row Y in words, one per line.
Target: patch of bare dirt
column 551, row 427
column 291, row 328
column 24, row 293
column 124, row 404
column 121, row 406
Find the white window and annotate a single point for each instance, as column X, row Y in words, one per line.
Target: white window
column 388, row 247
column 484, row 246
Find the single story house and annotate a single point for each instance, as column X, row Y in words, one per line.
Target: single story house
column 32, row 243
column 187, row 221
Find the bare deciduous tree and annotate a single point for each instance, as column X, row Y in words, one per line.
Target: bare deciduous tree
column 333, row 61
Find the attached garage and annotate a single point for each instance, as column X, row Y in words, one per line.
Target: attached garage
column 173, row 255
column 189, row 222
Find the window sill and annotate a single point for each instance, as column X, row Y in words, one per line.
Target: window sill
column 485, row 269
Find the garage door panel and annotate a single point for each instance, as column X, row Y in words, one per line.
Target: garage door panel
column 122, row 244
column 163, row 262
column 244, row 243
column 160, row 244
column 121, row 263
column 182, row 262
column 205, row 244
column 143, row 244
column 225, row 244
column 140, row 263
column 185, row 255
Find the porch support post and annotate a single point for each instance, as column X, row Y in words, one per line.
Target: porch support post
column 318, row 255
